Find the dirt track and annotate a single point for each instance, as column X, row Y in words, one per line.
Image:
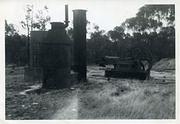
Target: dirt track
column 70, row 111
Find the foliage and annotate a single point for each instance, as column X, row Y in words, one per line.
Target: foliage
column 98, row 46
column 38, row 22
column 16, row 46
column 16, row 49
column 158, row 12
column 42, row 18
column 27, row 23
column 151, row 18
column 10, row 29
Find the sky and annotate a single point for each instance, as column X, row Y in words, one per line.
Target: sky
column 105, row 13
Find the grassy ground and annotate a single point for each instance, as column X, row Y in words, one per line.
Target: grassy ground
column 119, row 100
column 31, row 106
column 96, row 99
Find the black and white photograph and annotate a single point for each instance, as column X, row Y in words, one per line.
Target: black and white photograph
column 89, row 60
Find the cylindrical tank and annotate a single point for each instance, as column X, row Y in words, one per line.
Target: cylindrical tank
column 79, row 35
column 56, row 57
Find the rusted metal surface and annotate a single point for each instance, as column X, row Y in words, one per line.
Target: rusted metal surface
column 56, row 57
column 79, row 35
column 127, row 67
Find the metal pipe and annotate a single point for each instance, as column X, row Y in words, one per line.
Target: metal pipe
column 66, row 16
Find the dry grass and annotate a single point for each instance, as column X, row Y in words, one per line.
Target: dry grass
column 97, row 99
column 122, row 101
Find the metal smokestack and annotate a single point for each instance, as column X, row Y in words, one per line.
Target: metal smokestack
column 66, row 16
column 79, row 35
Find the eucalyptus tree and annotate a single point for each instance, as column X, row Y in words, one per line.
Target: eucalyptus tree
column 151, row 18
column 34, row 20
column 154, row 25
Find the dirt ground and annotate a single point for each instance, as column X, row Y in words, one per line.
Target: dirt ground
column 97, row 98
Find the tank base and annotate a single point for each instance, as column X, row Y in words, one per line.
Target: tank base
column 32, row 74
column 56, row 79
